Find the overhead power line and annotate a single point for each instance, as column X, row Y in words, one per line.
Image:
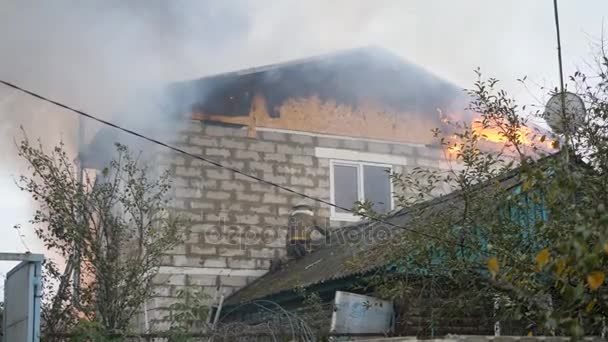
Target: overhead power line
column 220, row 165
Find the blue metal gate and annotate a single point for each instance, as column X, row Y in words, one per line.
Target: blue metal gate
column 22, row 292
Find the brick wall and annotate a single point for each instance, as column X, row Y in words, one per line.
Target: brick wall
column 239, row 224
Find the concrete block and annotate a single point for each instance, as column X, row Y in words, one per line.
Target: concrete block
column 222, row 174
column 181, row 192
column 354, row 144
column 278, row 242
column 186, row 260
column 217, row 152
column 203, row 183
column 262, row 146
column 284, row 210
column 323, row 183
column 277, row 179
column 202, row 250
column 233, row 143
column 231, row 206
column 247, row 219
column 317, row 172
column 218, row 195
column 241, row 263
column 290, row 169
column 202, row 279
column 195, row 150
column 295, row 150
column 322, row 162
column 231, row 252
column 262, row 253
column 302, row 160
column 232, row 185
column 259, row 166
column 202, row 227
column 219, row 262
column 247, row 155
column 322, row 193
column 203, row 141
column 188, row 171
column 274, row 136
column 176, row 279
column 260, row 209
column 193, row 238
column 248, row 197
column 218, row 217
column 329, row 142
column 166, row 260
column 276, row 220
column 303, row 181
column 161, row 291
column 235, row 164
column 179, row 249
column 302, row 139
column 275, row 157
column 402, row 149
column 378, row 147
column 224, row 131
column 169, row 279
column 274, row 198
column 262, row 187
column 202, row 205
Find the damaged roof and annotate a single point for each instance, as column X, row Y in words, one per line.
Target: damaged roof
column 351, row 77
column 348, row 77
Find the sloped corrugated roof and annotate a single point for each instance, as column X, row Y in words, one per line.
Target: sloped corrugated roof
column 351, row 250
column 341, row 257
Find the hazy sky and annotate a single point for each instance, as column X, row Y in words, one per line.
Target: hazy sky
column 96, row 55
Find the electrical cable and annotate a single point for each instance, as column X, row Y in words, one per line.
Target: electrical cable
column 220, row 165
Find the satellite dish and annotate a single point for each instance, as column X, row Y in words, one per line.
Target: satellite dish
column 570, row 118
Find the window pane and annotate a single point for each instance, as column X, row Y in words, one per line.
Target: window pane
column 377, row 187
column 345, row 186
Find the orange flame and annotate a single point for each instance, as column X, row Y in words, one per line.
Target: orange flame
column 493, row 134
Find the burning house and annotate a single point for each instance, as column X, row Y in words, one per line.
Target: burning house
column 331, row 127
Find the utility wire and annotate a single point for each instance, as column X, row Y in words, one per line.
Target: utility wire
column 220, row 165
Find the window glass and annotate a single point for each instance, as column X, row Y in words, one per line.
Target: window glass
column 345, row 186
column 377, row 187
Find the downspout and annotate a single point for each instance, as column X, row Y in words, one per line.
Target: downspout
column 79, row 177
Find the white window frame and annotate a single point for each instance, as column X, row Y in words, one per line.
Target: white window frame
column 336, row 216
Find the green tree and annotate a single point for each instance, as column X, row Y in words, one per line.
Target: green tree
column 525, row 226
column 111, row 230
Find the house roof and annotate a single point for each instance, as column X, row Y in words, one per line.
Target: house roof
column 347, row 77
column 328, row 262
column 342, row 257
